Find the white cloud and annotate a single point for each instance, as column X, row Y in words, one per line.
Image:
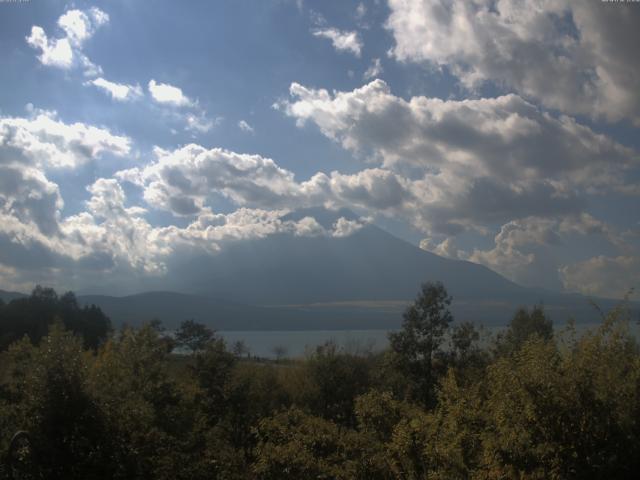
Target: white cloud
column 374, row 70
column 198, row 122
column 342, row 41
column 527, row 250
column 471, row 163
column 308, row 227
column 168, row 94
column 80, row 26
column 45, row 141
column 245, row 127
column 345, row 228
column 55, row 52
column 118, row 91
column 66, row 52
column 27, row 197
column 509, row 255
column 189, row 113
column 186, row 180
column 28, row 148
column 447, row 248
column 603, row 276
column 585, row 47
column 182, row 180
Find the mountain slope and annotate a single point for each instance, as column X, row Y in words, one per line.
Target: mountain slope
column 352, row 275
column 368, row 265
column 6, row 296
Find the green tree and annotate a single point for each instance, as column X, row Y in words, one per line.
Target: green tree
column 330, row 382
column 522, row 326
column 33, row 315
column 294, row 445
column 193, row 335
column 417, row 343
column 47, row 390
column 148, row 419
column 212, row 370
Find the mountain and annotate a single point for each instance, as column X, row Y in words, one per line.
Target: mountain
column 370, row 264
column 363, row 280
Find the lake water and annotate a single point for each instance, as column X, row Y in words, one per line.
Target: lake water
column 297, row 343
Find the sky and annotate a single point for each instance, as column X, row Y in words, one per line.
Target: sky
column 134, row 134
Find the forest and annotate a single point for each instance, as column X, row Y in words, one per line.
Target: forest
column 444, row 401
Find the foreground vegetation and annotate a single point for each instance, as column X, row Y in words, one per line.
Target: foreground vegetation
column 439, row 404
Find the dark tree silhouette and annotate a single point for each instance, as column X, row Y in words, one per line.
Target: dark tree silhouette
column 425, row 323
column 33, row 315
column 523, row 325
column 193, row 335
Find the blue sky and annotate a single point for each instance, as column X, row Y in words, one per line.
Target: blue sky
column 137, row 133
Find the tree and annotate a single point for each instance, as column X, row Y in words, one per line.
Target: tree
column 523, row 325
column 425, row 323
column 193, row 335
column 280, row 351
column 240, row 349
column 47, row 386
column 294, row 445
column 212, row 370
column 333, row 381
column 33, row 315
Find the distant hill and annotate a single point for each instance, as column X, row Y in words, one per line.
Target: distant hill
column 6, row 296
column 171, row 308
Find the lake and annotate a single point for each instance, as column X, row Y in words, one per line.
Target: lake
column 295, row 343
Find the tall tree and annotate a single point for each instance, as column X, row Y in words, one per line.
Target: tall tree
column 522, row 326
column 414, row 347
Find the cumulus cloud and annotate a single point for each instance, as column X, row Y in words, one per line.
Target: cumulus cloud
column 112, row 237
column 47, row 142
column 527, row 250
column 167, row 94
column 446, row 248
column 28, row 197
column 603, row 276
column 118, row 91
column 182, row 180
column 179, row 107
column 186, row 180
column 55, row 52
column 345, row 228
column 80, row 26
column 30, row 203
column 585, row 47
column 36, row 242
column 66, row 52
column 510, row 255
column 474, row 162
column 342, row 41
